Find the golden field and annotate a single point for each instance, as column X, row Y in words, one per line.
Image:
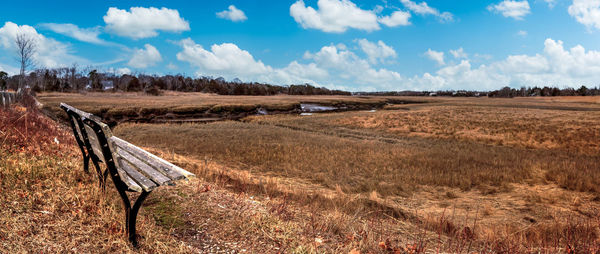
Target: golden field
column 521, row 168
column 450, row 175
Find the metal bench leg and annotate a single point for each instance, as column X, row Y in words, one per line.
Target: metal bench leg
column 131, row 214
column 126, row 204
column 86, row 163
column 133, row 217
column 101, row 176
column 103, row 180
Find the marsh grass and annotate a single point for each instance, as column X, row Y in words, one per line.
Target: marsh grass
column 137, row 107
column 355, row 165
column 336, row 163
column 498, row 176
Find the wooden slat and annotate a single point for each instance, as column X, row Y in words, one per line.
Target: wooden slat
column 80, row 112
column 77, row 127
column 144, row 168
column 132, row 185
column 97, row 149
column 168, row 169
column 140, row 179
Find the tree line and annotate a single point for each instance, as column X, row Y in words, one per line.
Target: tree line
column 507, row 92
column 73, row 79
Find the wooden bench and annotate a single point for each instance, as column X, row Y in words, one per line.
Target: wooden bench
column 131, row 168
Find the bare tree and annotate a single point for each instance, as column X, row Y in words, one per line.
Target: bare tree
column 26, row 47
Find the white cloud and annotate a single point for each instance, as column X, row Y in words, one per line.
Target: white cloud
column 511, row 9
column 376, row 51
column 296, row 72
column 172, row 67
column 345, row 67
column 556, row 66
column 436, row 56
column 143, row 58
column 550, row 3
column 9, row 69
column 233, row 14
column 49, row 52
column 424, row 9
column 223, row 58
column 459, row 53
column 485, row 57
column 123, row 71
column 117, row 71
column 522, row 33
column 141, row 22
column 397, row 18
column 229, row 61
column 338, row 67
column 586, row 12
column 83, row 34
column 334, row 16
column 332, row 66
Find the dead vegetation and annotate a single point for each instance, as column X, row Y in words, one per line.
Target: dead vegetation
column 454, row 175
column 137, row 107
column 47, row 202
column 519, row 191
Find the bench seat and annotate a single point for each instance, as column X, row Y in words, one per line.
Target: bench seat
column 143, row 170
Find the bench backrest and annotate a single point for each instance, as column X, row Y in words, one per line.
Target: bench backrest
column 84, row 135
column 95, row 135
column 130, row 167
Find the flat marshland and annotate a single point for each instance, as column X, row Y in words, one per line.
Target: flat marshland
column 119, row 107
column 443, row 174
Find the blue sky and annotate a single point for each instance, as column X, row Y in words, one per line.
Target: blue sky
column 352, row 45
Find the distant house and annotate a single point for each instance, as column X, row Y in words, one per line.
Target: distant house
column 432, row 94
column 107, row 84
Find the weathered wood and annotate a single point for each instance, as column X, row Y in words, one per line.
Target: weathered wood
column 144, row 168
column 81, row 113
column 131, row 184
column 77, row 127
column 167, row 168
column 8, row 98
column 140, row 179
column 93, row 139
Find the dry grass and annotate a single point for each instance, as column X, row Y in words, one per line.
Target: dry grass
column 511, row 168
column 48, row 204
column 529, row 128
column 357, row 166
column 120, row 107
column 452, row 175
